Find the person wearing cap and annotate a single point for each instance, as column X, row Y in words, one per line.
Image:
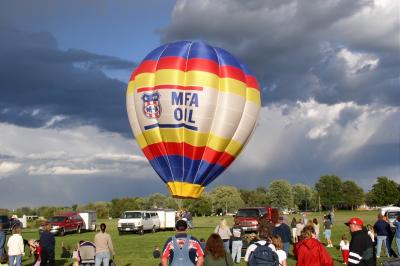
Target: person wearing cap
column 361, row 246
column 182, row 248
column 283, row 230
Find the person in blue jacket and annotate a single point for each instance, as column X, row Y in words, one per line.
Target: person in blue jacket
column 382, row 230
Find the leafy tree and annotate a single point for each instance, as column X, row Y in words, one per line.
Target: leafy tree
column 353, row 195
column 201, row 206
column 303, row 197
column 157, row 200
column 226, row 198
column 281, row 195
column 384, row 192
column 258, row 197
column 118, row 206
column 329, row 190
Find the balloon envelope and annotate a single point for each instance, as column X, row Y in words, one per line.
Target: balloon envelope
column 192, row 108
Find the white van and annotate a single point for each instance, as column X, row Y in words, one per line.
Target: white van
column 136, row 221
column 391, row 212
column 156, row 219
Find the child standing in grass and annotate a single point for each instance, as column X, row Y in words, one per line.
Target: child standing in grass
column 345, row 248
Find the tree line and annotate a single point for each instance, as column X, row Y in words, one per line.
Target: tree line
column 329, row 192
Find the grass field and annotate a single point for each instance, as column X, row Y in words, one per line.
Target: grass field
column 136, row 250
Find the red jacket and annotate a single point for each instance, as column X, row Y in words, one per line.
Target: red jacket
column 310, row 252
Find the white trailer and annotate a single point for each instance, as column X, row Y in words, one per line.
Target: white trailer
column 167, row 218
column 89, row 218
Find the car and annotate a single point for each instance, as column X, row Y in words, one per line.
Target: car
column 136, row 221
column 65, row 223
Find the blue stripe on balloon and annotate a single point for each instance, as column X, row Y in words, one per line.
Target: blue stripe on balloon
column 196, row 49
column 180, row 168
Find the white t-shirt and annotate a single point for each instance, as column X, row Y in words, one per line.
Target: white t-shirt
column 253, row 247
column 281, row 255
column 344, row 246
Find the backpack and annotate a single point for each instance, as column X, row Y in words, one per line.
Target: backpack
column 181, row 256
column 263, row 255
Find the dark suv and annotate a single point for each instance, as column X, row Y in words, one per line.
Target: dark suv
column 5, row 222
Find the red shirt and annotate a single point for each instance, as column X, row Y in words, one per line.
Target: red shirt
column 310, row 252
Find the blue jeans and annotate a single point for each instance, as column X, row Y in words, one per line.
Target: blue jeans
column 17, row 258
column 102, row 257
column 398, row 245
column 237, row 250
column 286, row 248
column 380, row 240
column 226, row 245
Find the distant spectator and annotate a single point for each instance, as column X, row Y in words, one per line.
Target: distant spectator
column 104, row 246
column 305, row 220
column 283, row 230
column 299, row 228
column 309, row 251
column 332, row 215
column 224, row 232
column 389, row 240
column 361, row 247
column 15, row 245
column 382, row 228
column 345, row 249
column 396, row 223
column 47, row 244
column 182, row 248
column 2, row 240
column 278, row 244
column 328, row 232
column 216, row 253
column 237, row 241
column 293, row 227
column 316, row 227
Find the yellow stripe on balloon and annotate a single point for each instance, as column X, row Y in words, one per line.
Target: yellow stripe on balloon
column 157, row 135
column 194, row 78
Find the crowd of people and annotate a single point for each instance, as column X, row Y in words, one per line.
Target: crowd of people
column 271, row 246
column 227, row 245
column 98, row 252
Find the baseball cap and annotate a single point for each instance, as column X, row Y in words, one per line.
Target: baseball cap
column 356, row 221
column 181, row 225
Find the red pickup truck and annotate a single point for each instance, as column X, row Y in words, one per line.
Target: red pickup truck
column 66, row 222
column 250, row 218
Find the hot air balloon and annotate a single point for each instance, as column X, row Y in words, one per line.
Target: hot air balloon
column 192, row 108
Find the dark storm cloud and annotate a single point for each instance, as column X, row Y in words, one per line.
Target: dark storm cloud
column 293, row 46
column 68, row 190
column 38, row 81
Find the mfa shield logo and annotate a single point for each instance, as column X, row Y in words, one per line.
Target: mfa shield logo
column 151, row 105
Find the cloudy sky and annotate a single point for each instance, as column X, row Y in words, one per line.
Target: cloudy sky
column 329, row 72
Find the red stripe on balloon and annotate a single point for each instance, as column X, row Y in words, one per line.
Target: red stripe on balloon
column 192, row 152
column 195, row 64
column 171, row 87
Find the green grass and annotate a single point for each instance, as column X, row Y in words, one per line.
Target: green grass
column 133, row 249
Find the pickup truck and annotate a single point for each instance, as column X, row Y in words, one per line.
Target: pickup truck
column 250, row 218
